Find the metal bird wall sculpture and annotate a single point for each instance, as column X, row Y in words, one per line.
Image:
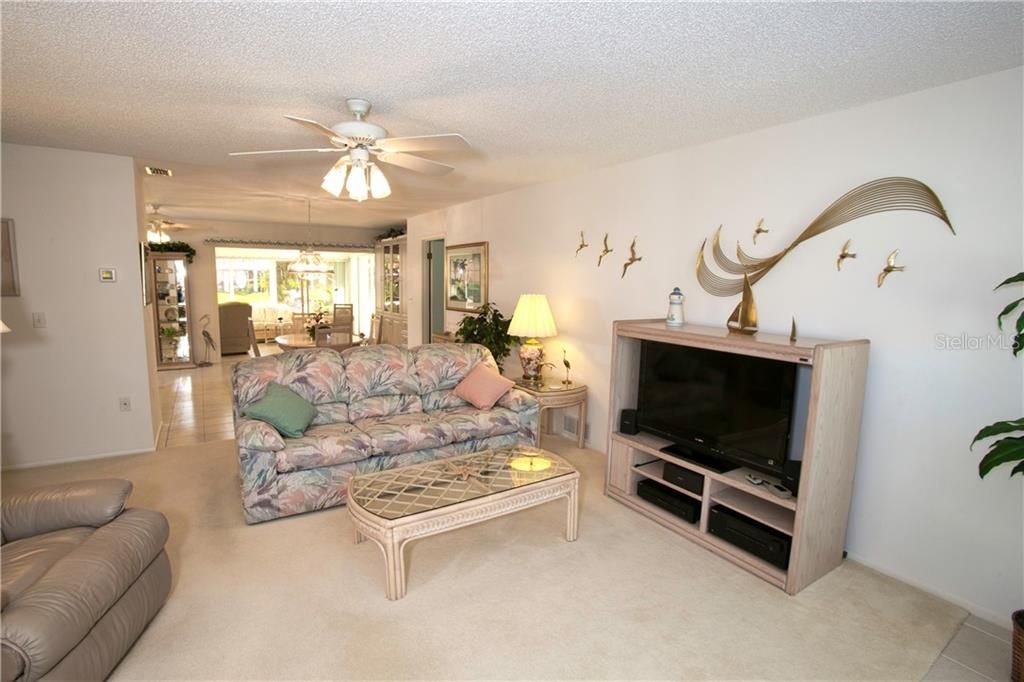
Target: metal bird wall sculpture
column 760, row 229
column 890, row 267
column 877, row 196
column 605, row 251
column 844, row 254
column 633, row 258
column 583, row 244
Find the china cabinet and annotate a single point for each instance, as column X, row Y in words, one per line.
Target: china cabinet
column 390, row 286
column 171, row 310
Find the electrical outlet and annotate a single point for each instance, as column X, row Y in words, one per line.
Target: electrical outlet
column 125, row 404
column 39, row 320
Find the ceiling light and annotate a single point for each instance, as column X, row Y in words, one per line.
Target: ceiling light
column 379, row 186
column 334, row 181
column 356, row 184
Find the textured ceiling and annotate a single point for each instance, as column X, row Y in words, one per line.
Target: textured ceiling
column 540, row 90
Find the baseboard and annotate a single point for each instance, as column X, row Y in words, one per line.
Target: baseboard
column 1001, row 619
column 71, row 460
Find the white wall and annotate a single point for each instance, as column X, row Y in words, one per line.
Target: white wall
column 74, row 212
column 203, row 271
column 919, row 511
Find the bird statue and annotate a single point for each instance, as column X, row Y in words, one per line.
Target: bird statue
column 633, row 258
column 890, row 266
column 565, row 361
column 208, row 340
column 583, row 244
column 844, row 254
column 760, row 229
column 605, row 251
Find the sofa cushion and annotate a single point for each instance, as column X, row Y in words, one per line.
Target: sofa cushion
column 483, row 386
column 470, row 423
column 331, row 413
column 400, row 433
column 383, row 406
column 322, row 446
column 284, row 409
column 318, row 375
column 441, row 366
column 379, row 370
column 24, row 561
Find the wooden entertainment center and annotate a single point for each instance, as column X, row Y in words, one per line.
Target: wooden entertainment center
column 816, row 518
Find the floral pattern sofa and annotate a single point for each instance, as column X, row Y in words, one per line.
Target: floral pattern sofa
column 378, row 407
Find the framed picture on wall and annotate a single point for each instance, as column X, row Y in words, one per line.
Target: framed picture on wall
column 465, row 276
column 10, row 285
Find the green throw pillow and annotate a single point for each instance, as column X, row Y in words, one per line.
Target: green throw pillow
column 284, row 409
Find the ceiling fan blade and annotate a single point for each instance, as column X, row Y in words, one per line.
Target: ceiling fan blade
column 424, row 143
column 415, row 163
column 287, row 151
column 319, row 128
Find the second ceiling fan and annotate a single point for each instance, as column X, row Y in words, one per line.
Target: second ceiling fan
column 360, row 141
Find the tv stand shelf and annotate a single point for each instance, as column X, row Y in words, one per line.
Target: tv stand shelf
column 816, row 519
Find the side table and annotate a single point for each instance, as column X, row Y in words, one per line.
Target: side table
column 553, row 396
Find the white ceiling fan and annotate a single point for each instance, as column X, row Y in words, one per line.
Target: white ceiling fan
column 159, row 224
column 358, row 141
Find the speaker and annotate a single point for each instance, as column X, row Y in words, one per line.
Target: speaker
column 791, row 476
column 627, row 423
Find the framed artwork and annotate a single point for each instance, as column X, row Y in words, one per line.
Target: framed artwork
column 10, row 285
column 465, row 276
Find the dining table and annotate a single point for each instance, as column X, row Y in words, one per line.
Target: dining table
column 334, row 341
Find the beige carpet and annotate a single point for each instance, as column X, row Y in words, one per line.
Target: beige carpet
column 507, row 599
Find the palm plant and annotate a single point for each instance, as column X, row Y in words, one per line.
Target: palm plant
column 1009, row 448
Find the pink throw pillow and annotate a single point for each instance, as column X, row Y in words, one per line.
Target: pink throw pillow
column 483, row 387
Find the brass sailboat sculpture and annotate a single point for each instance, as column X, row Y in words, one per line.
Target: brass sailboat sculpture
column 744, row 318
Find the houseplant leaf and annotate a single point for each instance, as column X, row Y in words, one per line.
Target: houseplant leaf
column 999, row 428
column 1009, row 309
column 1002, row 452
column 1019, row 277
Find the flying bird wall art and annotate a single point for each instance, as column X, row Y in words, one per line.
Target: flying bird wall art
column 605, row 251
column 890, row 267
column 878, row 196
column 583, row 244
column 759, row 230
column 844, row 254
column 633, row 258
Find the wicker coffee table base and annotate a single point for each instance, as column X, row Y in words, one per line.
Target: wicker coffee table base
column 391, row 535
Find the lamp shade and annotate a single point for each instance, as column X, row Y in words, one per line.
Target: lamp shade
column 4, row 328
column 532, row 317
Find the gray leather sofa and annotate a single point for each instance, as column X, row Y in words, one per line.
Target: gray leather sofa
column 81, row 578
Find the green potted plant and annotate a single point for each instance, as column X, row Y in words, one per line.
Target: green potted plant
column 489, row 328
column 173, row 247
column 1007, row 448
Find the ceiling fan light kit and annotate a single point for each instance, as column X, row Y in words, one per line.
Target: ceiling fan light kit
column 360, row 140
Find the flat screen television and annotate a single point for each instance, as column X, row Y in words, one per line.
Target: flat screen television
column 732, row 407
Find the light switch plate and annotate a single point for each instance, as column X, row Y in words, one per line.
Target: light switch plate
column 39, row 320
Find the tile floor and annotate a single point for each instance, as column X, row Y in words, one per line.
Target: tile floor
column 196, row 406
column 195, row 403
column 979, row 651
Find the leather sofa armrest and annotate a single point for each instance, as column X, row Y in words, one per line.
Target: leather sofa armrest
column 253, row 434
column 52, row 616
column 81, row 503
column 517, row 401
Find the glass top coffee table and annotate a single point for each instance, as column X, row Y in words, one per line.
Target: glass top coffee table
column 396, row 506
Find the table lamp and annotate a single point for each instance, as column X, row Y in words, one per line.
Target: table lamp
column 532, row 319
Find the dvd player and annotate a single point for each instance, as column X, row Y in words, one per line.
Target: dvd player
column 674, row 502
